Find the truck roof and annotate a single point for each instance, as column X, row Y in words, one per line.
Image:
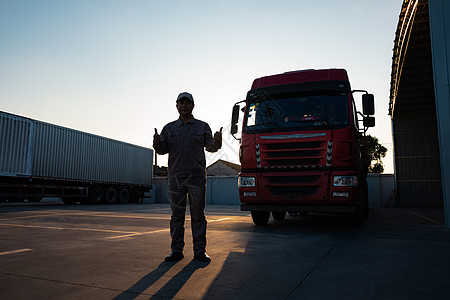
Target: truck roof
column 300, row 76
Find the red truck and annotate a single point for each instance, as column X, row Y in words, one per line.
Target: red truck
column 302, row 146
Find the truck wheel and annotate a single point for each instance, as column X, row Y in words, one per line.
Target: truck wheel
column 110, row 195
column 96, row 195
column 279, row 215
column 366, row 200
column 260, row 217
column 124, row 196
column 356, row 218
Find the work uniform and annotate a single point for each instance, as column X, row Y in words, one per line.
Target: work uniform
column 185, row 143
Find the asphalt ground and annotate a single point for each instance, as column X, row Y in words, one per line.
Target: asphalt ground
column 56, row 251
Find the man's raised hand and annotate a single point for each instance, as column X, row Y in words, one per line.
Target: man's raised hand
column 218, row 135
column 156, row 138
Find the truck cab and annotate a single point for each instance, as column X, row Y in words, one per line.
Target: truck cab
column 301, row 146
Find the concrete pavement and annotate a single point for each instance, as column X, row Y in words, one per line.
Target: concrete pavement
column 54, row 251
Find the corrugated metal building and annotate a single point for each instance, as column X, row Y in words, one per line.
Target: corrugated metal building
column 420, row 104
column 413, row 111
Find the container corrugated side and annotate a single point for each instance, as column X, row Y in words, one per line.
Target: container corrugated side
column 16, row 134
column 65, row 153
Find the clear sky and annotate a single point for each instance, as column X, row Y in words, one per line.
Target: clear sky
column 114, row 68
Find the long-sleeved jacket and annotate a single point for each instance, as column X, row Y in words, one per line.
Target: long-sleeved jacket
column 185, row 143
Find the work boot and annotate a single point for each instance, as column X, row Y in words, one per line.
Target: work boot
column 202, row 256
column 174, row 256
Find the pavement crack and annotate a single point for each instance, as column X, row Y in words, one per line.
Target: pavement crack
column 314, row 268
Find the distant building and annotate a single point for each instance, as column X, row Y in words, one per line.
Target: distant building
column 223, row 168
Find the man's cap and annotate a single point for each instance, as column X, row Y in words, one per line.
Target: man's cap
column 185, row 95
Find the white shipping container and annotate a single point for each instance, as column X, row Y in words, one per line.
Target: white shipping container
column 43, row 150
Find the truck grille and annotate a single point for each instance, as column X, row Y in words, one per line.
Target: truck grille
column 292, row 179
column 295, row 186
column 296, row 154
column 284, row 146
column 293, row 191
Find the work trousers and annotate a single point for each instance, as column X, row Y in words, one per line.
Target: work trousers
column 193, row 188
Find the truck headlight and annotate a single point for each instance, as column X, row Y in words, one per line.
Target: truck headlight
column 247, row 182
column 345, row 180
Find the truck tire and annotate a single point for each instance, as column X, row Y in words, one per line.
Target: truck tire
column 110, row 195
column 361, row 208
column 356, row 218
column 278, row 215
column 124, row 196
column 366, row 199
column 260, row 217
column 96, row 195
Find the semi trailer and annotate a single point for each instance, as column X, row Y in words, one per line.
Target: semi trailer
column 39, row 159
column 302, row 146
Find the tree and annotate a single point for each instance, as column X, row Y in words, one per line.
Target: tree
column 375, row 152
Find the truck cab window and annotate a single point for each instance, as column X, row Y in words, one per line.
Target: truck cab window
column 294, row 112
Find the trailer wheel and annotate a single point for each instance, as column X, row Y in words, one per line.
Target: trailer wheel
column 96, row 195
column 124, row 196
column 260, row 217
column 110, row 195
column 279, row 215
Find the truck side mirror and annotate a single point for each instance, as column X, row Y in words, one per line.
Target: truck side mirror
column 235, row 119
column 368, row 104
column 369, row 121
column 234, row 128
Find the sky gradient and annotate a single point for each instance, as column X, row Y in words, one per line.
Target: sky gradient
column 115, row 68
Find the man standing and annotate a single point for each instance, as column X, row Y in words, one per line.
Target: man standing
column 185, row 140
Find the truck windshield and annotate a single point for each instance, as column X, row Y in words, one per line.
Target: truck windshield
column 316, row 112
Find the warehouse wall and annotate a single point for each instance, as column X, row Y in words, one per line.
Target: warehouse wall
column 440, row 43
